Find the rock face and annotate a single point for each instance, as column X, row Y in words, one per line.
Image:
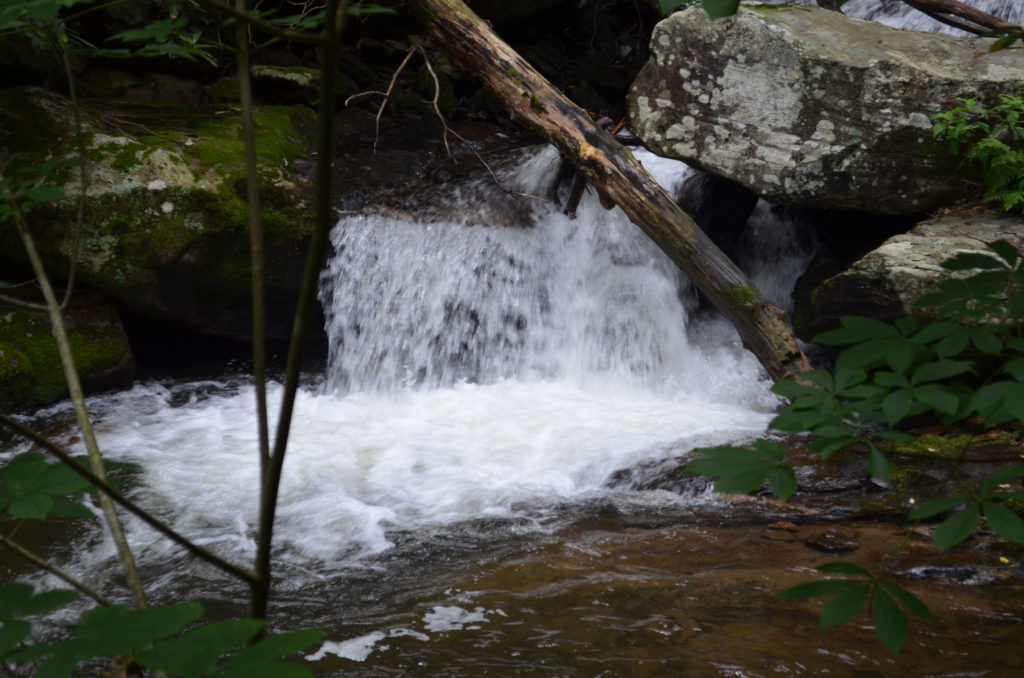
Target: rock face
column 888, row 281
column 165, row 229
column 809, row 108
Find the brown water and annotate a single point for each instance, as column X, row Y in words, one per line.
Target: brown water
column 674, row 597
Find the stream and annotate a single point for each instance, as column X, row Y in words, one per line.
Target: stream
column 475, row 484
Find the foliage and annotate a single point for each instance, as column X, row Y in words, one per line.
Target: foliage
column 885, row 599
column 994, row 139
column 968, row 362
column 154, row 638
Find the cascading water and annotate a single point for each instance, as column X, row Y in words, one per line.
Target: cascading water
column 895, row 13
column 484, row 382
column 475, row 372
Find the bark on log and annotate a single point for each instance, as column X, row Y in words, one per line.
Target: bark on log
column 959, row 15
column 614, row 171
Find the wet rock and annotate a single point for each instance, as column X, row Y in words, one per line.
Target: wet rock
column 810, row 108
column 887, row 282
column 832, row 541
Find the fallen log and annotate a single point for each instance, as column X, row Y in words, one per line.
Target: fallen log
column 614, row 172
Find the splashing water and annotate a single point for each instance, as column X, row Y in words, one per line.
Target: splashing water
column 475, row 372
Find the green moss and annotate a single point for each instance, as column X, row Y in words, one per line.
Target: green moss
column 948, row 447
column 30, row 364
column 744, row 296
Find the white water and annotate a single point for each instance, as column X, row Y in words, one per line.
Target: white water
column 496, row 372
column 896, row 14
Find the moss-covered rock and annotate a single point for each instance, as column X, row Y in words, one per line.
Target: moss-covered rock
column 30, row 366
column 165, row 227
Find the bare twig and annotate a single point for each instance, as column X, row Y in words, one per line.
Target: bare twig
column 328, row 40
column 44, row 564
column 259, row 334
column 436, row 99
column 386, row 95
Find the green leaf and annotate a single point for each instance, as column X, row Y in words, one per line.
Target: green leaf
column 1004, row 522
column 196, row 652
column 871, row 353
column 668, row 6
column 257, row 661
column 844, row 607
column 1005, row 250
column 908, row 325
column 718, row 9
column 1002, row 476
column 109, row 631
column 819, row 588
column 1015, row 306
column 826, row 447
column 12, row 633
column 896, row 406
column 957, row 527
column 1015, row 368
column 771, row 449
column 954, row 343
column 878, row 464
column 934, row 331
column 986, row 340
column 900, row 357
column 890, row 622
column 44, row 193
column 891, row 379
column 938, row 398
column 790, row 389
column 843, row 567
column 939, row 370
column 909, row 600
column 782, row 481
column 32, row 507
column 965, row 261
column 70, row 509
column 937, row 506
column 856, row 329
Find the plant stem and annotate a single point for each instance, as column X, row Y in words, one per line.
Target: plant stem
column 329, row 36
column 259, row 333
column 67, row 360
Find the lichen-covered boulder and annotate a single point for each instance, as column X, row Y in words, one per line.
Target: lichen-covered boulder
column 810, row 108
column 30, row 368
column 887, row 282
column 165, row 228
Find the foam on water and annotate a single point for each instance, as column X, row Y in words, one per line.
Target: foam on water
column 475, row 372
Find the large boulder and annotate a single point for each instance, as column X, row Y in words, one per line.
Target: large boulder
column 165, row 228
column 810, row 108
column 887, row 282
